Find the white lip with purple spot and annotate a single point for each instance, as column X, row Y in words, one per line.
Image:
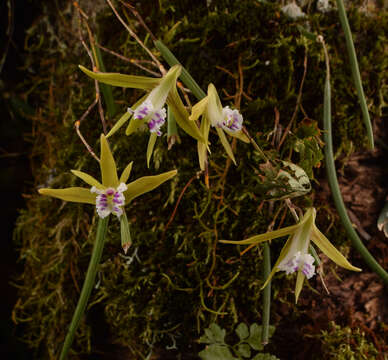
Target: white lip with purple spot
column 232, row 119
column 302, row 262
column 155, row 118
column 110, row 200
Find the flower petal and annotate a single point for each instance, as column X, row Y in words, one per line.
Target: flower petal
column 158, row 95
column 73, row 194
column 108, row 165
column 125, row 174
column 330, row 251
column 214, row 108
column 225, row 144
column 299, row 285
column 124, row 118
column 126, row 81
column 198, row 109
column 238, row 134
column 146, row 184
column 150, row 147
column 265, row 237
column 88, row 179
column 182, row 116
column 282, row 255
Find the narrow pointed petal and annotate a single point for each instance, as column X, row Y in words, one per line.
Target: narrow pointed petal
column 125, row 174
column 126, row 81
column 146, row 184
column 150, row 147
column 330, row 251
column 265, row 237
column 198, row 109
column 158, row 95
column 124, row 118
column 239, row 135
column 108, row 165
column 282, row 255
column 88, row 179
column 182, row 116
column 214, row 108
column 201, row 147
column 225, row 144
column 73, row 194
column 299, row 285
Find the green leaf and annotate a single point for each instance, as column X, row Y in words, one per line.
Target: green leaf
column 244, row 350
column 254, row 339
column 146, row 184
column 242, row 331
column 216, row 352
column 122, row 80
column 105, row 89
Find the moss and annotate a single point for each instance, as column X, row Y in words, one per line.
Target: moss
column 344, row 343
column 180, row 278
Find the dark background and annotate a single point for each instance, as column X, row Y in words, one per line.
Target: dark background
column 15, row 176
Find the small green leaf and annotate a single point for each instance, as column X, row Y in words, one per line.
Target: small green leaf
column 244, row 350
column 216, row 352
column 242, row 331
column 254, row 339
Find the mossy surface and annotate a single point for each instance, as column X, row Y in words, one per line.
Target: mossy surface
column 176, row 279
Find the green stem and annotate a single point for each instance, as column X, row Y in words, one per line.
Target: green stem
column 185, row 76
column 355, row 70
column 266, row 295
column 333, row 182
column 87, row 286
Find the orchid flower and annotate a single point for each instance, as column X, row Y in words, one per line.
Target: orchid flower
column 294, row 256
column 223, row 119
column 113, row 193
column 150, row 109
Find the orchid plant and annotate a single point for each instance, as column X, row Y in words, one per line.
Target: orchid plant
column 294, row 256
column 150, row 109
column 223, row 119
column 109, row 197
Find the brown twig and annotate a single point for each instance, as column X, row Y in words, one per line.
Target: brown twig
column 135, row 62
column 177, row 204
column 133, row 34
column 141, row 21
column 94, row 66
column 88, row 147
column 298, row 101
